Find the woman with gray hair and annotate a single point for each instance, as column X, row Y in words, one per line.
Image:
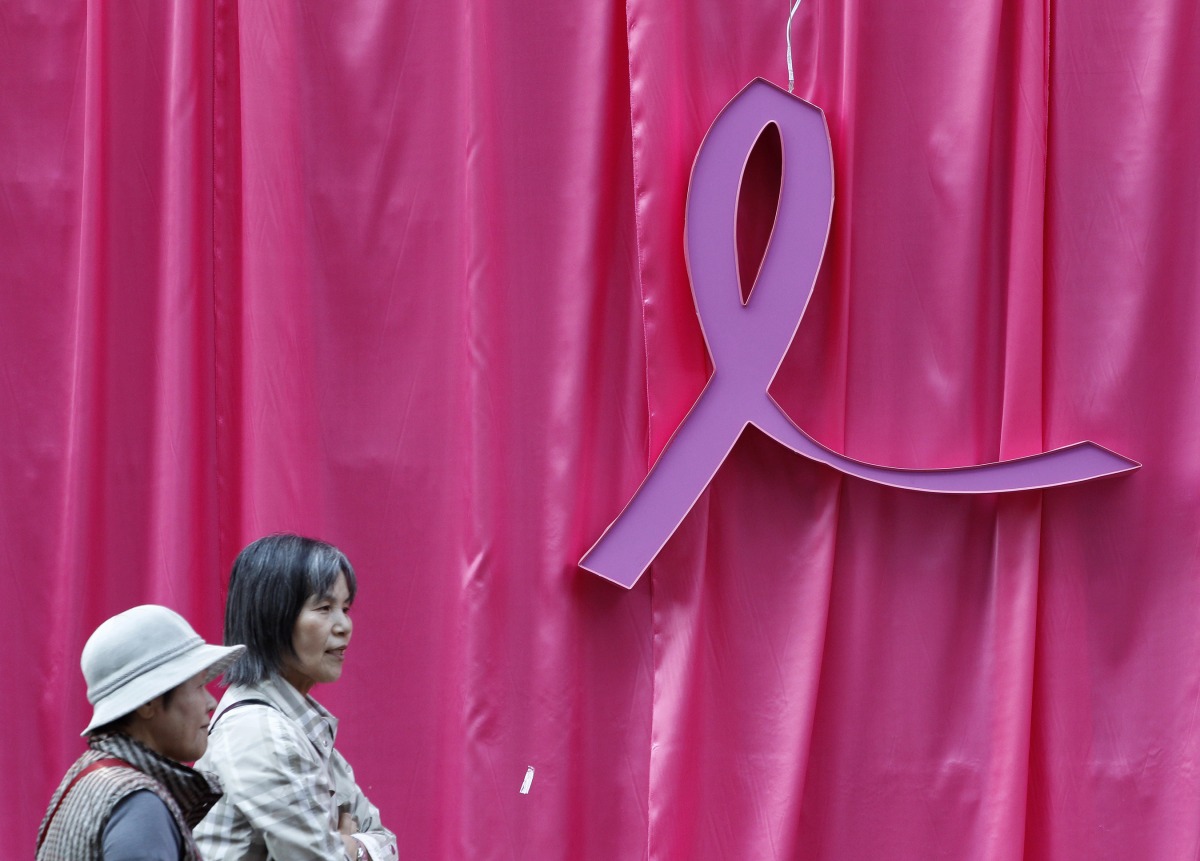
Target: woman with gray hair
column 289, row 794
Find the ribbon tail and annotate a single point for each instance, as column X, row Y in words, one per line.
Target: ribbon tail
column 682, row 472
column 1081, row 461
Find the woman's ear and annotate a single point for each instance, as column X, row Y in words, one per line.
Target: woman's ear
column 148, row 710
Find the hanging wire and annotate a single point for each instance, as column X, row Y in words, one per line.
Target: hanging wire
column 791, row 78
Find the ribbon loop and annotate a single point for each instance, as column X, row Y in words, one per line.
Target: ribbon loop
column 751, row 339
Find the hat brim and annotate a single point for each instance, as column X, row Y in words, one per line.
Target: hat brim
column 207, row 659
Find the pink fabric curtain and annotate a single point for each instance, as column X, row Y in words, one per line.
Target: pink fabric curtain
column 409, row 277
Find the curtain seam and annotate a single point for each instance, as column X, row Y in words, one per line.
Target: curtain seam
column 635, row 177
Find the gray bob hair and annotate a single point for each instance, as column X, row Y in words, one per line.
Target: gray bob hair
column 271, row 580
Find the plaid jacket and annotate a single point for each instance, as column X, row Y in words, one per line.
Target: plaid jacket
column 285, row 784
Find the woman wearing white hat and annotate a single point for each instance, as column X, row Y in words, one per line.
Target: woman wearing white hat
column 130, row 795
column 289, row 794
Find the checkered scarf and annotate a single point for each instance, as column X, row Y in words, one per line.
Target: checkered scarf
column 78, row 825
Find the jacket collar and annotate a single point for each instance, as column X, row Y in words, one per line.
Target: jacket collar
column 318, row 724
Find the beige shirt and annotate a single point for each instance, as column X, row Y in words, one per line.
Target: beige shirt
column 285, row 784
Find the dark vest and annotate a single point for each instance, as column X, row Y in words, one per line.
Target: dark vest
column 74, row 833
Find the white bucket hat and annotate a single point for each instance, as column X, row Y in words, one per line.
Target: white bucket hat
column 137, row 655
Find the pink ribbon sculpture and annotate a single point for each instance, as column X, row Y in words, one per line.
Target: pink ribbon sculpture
column 747, row 341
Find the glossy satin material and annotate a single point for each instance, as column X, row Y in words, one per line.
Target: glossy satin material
column 410, row 277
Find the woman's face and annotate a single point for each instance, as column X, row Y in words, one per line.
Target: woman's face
column 319, row 638
column 178, row 729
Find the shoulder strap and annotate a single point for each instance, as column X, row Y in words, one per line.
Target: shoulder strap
column 107, row 762
column 237, row 705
